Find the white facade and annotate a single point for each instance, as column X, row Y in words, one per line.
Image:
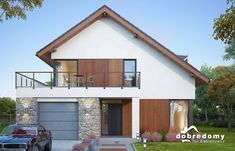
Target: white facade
column 161, row 78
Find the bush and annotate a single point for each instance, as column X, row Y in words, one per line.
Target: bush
column 2, row 126
column 163, row 133
column 220, row 123
column 171, row 137
column 156, row 137
column 215, row 123
column 146, row 135
column 7, row 106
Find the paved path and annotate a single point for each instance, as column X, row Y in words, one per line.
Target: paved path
column 113, row 143
column 107, row 144
column 63, row 145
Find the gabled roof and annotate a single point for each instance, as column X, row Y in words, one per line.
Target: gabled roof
column 45, row 53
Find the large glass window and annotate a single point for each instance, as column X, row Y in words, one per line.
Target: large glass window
column 95, row 73
column 66, row 71
column 129, row 72
column 178, row 115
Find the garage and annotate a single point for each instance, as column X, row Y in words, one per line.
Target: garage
column 60, row 118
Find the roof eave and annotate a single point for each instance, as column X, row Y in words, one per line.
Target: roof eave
column 43, row 53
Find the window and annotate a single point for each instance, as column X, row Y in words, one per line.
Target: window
column 66, row 71
column 20, row 130
column 178, row 115
column 129, row 67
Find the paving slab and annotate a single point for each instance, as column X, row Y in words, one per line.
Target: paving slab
column 63, row 145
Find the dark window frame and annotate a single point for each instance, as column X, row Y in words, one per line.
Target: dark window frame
column 129, row 60
column 124, row 73
column 56, row 60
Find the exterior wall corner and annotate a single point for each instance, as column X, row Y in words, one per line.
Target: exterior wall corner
column 135, row 116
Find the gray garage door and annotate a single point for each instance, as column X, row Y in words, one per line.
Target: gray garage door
column 60, row 118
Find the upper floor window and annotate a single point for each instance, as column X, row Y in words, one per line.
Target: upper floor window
column 96, row 73
column 66, row 71
column 129, row 72
column 66, row 66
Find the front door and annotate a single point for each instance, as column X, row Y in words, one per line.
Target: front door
column 115, row 119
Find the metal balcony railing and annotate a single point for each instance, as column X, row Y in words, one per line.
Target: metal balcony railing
column 76, row 79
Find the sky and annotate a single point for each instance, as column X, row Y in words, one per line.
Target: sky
column 183, row 26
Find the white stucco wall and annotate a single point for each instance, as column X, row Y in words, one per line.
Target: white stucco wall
column 135, row 116
column 160, row 77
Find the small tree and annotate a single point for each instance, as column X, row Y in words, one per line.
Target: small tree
column 203, row 102
column 7, row 107
column 222, row 90
column 17, row 8
column 230, row 52
column 224, row 26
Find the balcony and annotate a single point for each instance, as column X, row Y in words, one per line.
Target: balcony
column 76, row 79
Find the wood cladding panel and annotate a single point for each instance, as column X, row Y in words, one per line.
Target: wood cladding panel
column 146, row 121
column 85, row 66
column 108, row 70
column 126, row 117
column 100, row 68
column 154, row 115
column 115, row 68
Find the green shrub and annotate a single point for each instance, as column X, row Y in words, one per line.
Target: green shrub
column 156, row 137
column 2, row 126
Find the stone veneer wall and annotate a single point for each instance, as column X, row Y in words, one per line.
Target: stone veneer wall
column 28, row 105
column 89, row 117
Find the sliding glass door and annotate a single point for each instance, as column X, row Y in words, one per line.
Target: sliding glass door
column 95, row 73
column 66, row 72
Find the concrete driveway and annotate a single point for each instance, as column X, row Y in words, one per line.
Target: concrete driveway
column 63, row 145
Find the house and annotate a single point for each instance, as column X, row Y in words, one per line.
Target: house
column 108, row 78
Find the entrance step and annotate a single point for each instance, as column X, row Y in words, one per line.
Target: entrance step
column 114, row 144
column 115, row 140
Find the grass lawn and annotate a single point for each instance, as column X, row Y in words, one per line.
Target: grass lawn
column 228, row 145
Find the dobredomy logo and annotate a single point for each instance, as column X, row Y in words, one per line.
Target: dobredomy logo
column 186, row 136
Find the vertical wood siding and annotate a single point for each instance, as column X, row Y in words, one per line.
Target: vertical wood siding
column 100, row 67
column 154, row 115
column 115, row 72
column 126, row 118
column 112, row 68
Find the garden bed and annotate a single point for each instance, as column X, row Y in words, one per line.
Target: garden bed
column 228, row 145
